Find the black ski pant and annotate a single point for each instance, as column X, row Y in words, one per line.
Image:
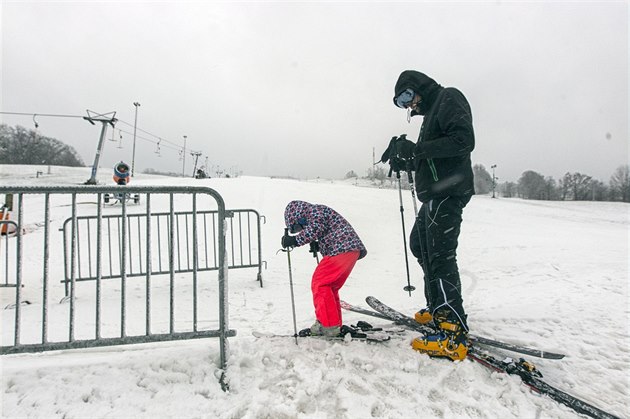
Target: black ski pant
column 433, row 241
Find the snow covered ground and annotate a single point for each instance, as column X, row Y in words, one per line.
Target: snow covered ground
column 552, row 275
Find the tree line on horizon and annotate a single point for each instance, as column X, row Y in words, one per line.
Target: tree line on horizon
column 20, row 145
column 532, row 185
column 574, row 186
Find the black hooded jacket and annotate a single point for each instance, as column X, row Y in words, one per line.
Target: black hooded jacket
column 442, row 153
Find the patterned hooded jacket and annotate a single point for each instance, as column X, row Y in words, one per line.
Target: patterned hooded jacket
column 442, row 153
column 334, row 234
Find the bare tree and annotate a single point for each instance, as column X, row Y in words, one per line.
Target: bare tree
column 483, row 180
column 376, row 173
column 508, row 189
column 620, row 184
column 564, row 186
column 599, row 191
column 578, row 185
column 350, row 175
column 551, row 190
column 532, row 185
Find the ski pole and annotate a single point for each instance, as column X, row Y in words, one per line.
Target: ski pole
column 408, row 287
column 413, row 193
column 288, row 250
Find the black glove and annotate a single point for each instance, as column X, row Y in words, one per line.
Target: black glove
column 398, row 147
column 288, row 241
column 396, row 165
column 404, row 148
column 314, row 247
column 399, row 153
column 391, row 147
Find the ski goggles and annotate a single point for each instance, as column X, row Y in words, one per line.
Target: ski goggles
column 404, row 99
column 297, row 227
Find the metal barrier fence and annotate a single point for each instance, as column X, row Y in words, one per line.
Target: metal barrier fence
column 8, row 259
column 243, row 244
column 146, row 318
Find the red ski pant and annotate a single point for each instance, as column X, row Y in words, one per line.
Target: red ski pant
column 328, row 278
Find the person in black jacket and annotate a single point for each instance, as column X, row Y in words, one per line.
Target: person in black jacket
column 444, row 185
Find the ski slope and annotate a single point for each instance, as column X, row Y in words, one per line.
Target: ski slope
column 552, row 275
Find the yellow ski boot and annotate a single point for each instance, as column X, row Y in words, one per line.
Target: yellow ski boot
column 423, row 316
column 449, row 342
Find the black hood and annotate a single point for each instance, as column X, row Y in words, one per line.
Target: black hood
column 420, row 83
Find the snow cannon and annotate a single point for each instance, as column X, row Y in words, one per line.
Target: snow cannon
column 122, row 177
column 121, row 173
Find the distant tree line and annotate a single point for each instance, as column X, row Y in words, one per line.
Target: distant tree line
column 532, row 185
column 572, row 187
column 379, row 176
column 377, row 173
column 23, row 146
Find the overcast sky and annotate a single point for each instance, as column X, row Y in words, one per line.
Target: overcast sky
column 305, row 89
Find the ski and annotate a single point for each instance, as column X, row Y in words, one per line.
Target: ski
column 371, row 337
column 525, row 370
column 473, row 338
column 533, row 379
column 365, row 327
column 347, row 306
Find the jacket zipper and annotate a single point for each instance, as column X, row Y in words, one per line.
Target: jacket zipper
column 433, row 170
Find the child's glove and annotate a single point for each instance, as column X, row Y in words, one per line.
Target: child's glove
column 288, row 241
